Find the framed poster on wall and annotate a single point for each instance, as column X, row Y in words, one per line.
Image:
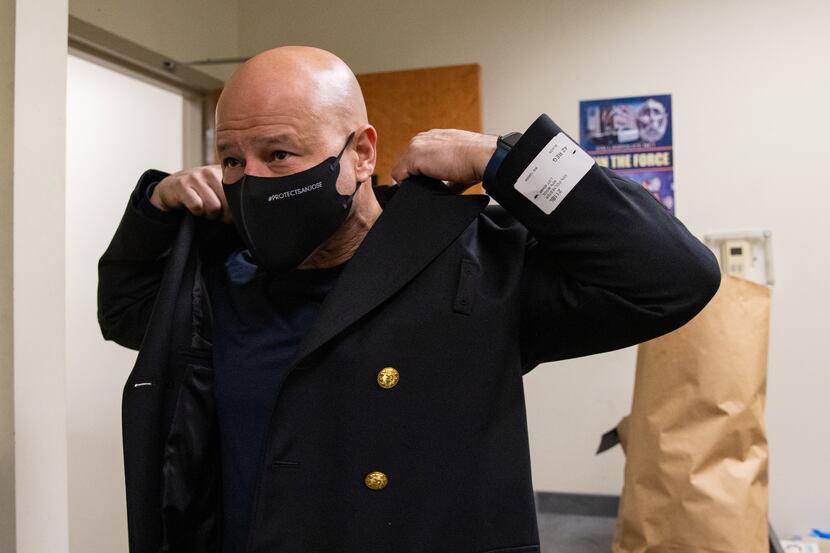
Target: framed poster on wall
column 633, row 137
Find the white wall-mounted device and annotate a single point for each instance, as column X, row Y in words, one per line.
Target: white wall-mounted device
column 744, row 254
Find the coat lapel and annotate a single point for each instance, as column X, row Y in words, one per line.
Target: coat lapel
column 417, row 224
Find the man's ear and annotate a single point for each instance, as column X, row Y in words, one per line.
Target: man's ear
column 365, row 143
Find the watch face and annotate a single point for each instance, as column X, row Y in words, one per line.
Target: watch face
column 510, row 139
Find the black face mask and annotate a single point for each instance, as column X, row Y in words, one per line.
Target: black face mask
column 283, row 219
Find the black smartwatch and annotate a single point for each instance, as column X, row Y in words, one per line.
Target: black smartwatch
column 504, row 144
column 508, row 141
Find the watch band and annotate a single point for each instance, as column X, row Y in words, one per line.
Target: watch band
column 504, row 144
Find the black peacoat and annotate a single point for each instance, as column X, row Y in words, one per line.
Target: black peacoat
column 460, row 297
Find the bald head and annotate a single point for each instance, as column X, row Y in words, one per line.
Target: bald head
column 299, row 81
column 289, row 109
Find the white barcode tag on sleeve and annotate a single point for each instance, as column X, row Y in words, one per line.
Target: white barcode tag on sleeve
column 554, row 172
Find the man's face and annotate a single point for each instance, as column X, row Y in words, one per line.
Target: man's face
column 267, row 140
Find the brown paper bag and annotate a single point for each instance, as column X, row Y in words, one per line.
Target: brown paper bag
column 695, row 442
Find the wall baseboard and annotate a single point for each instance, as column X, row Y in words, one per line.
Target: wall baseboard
column 577, row 504
column 589, row 505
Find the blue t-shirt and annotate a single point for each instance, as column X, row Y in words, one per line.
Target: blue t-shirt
column 258, row 322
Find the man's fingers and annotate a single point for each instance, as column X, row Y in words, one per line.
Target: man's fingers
column 213, row 178
column 408, row 164
column 398, row 175
column 405, row 167
column 203, row 181
column 399, row 171
column 211, row 204
column 200, row 191
column 192, row 201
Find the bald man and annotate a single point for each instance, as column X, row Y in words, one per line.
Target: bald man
column 340, row 369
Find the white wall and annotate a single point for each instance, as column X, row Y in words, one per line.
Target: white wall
column 117, row 127
column 750, row 83
column 38, row 267
column 185, row 30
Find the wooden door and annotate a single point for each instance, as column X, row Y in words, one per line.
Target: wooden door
column 403, row 103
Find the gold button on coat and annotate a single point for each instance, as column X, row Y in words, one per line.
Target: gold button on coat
column 376, row 480
column 388, row 377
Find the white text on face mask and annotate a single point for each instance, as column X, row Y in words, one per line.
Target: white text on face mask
column 295, row 192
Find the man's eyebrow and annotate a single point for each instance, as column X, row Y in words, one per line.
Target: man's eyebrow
column 272, row 139
column 223, row 147
column 267, row 140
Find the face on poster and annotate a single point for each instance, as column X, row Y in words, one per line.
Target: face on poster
column 633, row 137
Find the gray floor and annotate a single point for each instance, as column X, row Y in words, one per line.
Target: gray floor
column 575, row 534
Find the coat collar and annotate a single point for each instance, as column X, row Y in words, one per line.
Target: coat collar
column 418, row 222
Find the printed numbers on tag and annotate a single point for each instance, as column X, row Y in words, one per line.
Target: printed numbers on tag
column 553, row 173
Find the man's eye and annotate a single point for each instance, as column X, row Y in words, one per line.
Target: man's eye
column 280, row 155
column 230, row 162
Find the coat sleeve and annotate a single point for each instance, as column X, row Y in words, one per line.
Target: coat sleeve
column 610, row 267
column 130, row 270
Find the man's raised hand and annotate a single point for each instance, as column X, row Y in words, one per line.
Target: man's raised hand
column 198, row 189
column 458, row 157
